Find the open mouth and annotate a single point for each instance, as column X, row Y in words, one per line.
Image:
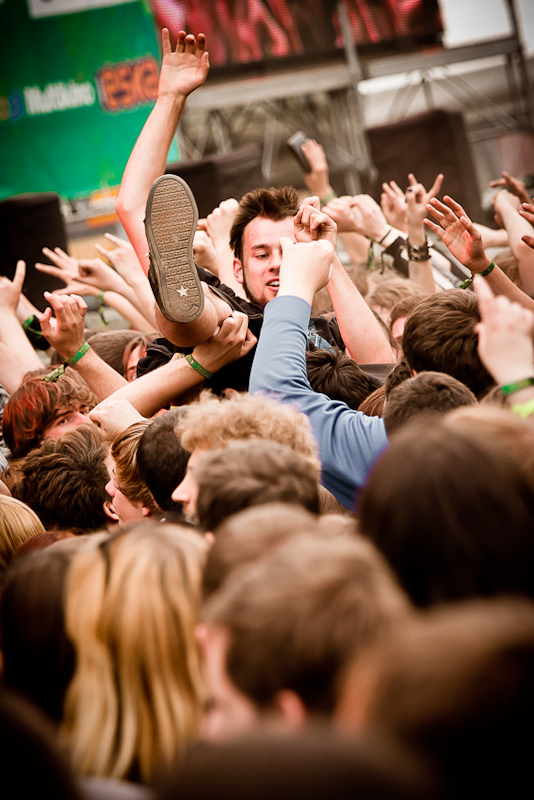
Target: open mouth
column 273, row 284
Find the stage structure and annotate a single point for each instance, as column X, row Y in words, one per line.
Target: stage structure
column 316, row 89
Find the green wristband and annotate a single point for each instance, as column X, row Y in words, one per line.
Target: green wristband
column 467, row 283
column 198, row 367
column 324, row 200
column 516, row 386
column 80, row 354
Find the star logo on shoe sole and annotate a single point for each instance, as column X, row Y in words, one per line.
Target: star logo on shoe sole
column 182, row 291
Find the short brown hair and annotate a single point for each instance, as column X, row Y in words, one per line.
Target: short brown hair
column 296, row 617
column 253, row 472
column 333, row 373
column 440, row 335
column 64, row 481
column 426, row 392
column 275, row 203
column 128, row 479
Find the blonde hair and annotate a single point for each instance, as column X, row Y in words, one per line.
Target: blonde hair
column 18, row 523
column 213, row 422
column 136, row 698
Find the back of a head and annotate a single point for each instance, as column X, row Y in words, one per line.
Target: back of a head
column 161, row 459
column 338, row 376
column 452, row 514
column 440, row 335
column 248, row 535
column 253, row 472
column 298, row 615
column 18, row 523
column 38, row 657
column 64, row 481
column 213, row 422
column 131, row 607
column 315, row 765
column 110, row 346
column 427, row 393
column 127, row 476
column 456, row 684
column 33, row 406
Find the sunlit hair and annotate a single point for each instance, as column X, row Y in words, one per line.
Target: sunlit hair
column 17, row 524
column 213, row 422
column 136, row 698
column 274, row 203
column 35, row 404
column 127, row 477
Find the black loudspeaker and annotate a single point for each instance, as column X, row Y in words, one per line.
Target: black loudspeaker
column 427, row 144
column 29, row 222
column 217, row 177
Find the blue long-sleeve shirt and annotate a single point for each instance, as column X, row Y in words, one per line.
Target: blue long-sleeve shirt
column 349, row 441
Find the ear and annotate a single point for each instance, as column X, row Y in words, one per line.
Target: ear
column 109, row 511
column 210, row 538
column 290, row 706
column 238, row 270
column 146, row 512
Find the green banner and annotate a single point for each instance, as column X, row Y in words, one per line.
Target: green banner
column 78, row 79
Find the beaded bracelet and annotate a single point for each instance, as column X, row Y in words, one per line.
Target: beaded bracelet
column 467, row 283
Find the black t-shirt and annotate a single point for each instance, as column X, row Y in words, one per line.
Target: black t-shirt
column 322, row 333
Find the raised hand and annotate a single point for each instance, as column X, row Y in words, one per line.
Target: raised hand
column 219, row 222
column 393, row 205
column 434, row 189
column 306, row 267
column 458, row 233
column 369, row 219
column 92, row 271
column 65, row 331
column 317, row 179
column 184, row 69
column 114, row 416
column 312, row 224
column 513, row 185
column 339, row 209
column 122, row 258
column 504, row 335
column 10, row 291
column 233, row 340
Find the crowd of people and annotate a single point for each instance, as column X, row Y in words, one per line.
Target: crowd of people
column 275, row 535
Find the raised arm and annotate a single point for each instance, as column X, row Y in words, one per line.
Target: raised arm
column 459, row 234
column 361, row 331
column 182, row 71
column 17, row 355
column 507, row 208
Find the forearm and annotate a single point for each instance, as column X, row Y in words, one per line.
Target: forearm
column 356, row 245
column 147, row 162
column 159, row 388
column 420, row 271
column 361, row 331
column 492, row 237
column 516, row 227
column 13, row 368
column 13, row 336
column 137, row 321
column 500, row 283
column 101, row 377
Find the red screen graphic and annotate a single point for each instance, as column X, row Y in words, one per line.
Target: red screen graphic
column 258, row 32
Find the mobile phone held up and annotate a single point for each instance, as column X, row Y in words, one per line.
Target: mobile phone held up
column 295, row 143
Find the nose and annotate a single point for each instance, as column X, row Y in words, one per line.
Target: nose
column 276, row 258
column 78, row 419
column 182, row 493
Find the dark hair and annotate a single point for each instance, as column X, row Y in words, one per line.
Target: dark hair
column 333, row 373
column 456, row 685
column 275, row 203
column 253, row 472
column 400, row 372
column 38, row 656
column 427, row 392
column 373, row 405
column 64, row 481
column 452, row 514
column 111, row 345
column 35, row 404
column 296, row 617
column 161, row 459
column 440, row 335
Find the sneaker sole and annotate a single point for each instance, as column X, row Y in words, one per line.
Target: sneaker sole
column 170, row 223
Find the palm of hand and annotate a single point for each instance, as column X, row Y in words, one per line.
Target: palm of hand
column 181, row 73
column 461, row 244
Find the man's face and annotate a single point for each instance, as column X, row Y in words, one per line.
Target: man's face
column 229, row 712
column 262, row 255
column 66, row 419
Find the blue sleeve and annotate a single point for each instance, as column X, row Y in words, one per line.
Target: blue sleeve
column 349, row 441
